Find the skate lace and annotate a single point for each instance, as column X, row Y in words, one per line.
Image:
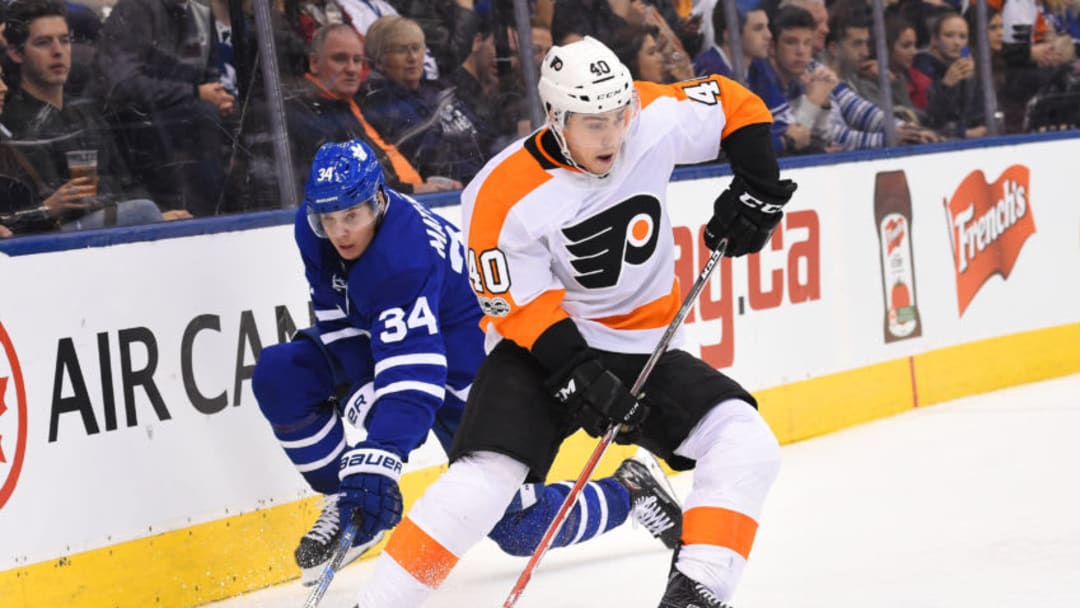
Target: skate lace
column 648, row 512
column 326, row 526
column 704, row 592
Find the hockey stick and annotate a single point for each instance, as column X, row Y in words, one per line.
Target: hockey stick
column 331, row 568
column 613, row 430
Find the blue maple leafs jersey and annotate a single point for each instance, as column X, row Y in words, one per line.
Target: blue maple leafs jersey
column 403, row 314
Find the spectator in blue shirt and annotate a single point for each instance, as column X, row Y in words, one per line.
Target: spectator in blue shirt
column 756, row 40
column 754, row 36
column 855, row 123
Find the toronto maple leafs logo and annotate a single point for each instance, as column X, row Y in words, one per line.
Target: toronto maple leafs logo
column 338, row 283
column 599, row 245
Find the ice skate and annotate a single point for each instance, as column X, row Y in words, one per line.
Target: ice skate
column 684, row 592
column 651, row 505
column 318, row 545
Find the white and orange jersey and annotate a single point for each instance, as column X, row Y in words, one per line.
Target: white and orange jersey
column 547, row 241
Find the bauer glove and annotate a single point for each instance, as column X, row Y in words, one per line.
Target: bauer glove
column 368, row 490
column 746, row 218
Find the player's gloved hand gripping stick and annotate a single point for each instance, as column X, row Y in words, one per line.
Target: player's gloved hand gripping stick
column 746, row 217
column 613, row 430
column 370, row 501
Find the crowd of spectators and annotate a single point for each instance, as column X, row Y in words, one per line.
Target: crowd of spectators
column 166, row 99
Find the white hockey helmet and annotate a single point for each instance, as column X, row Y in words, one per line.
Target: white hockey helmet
column 583, row 77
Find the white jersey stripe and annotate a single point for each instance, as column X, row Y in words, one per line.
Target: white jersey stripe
column 312, row 440
column 329, row 314
column 411, row 385
column 414, row 359
column 602, row 499
column 460, row 393
column 349, row 332
column 580, row 503
column 322, row 462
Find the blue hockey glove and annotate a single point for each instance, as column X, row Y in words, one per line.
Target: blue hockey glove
column 369, row 489
column 746, row 218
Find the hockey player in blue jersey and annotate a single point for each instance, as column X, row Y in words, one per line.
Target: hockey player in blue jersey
column 397, row 334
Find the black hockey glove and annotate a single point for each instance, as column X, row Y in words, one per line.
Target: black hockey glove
column 746, row 218
column 597, row 397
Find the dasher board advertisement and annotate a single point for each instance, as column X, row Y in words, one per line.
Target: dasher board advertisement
column 822, row 296
column 136, row 363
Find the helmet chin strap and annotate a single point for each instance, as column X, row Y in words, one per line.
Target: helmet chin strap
column 556, row 130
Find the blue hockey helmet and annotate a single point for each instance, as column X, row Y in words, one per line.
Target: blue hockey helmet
column 343, row 175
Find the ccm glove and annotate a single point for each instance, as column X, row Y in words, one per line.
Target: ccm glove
column 369, row 493
column 746, row 218
column 597, row 397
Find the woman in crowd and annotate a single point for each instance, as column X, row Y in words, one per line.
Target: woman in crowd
column 955, row 99
column 1012, row 113
column 908, row 85
column 423, row 118
column 639, row 49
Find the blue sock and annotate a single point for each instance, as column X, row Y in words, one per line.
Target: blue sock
column 315, row 446
column 602, row 505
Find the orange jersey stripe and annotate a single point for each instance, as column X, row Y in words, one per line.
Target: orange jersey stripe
column 720, row 527
column 741, row 106
column 657, row 313
column 508, row 183
column 419, row 554
column 526, row 324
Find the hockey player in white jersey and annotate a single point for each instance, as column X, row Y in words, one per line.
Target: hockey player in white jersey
column 571, row 252
column 397, row 332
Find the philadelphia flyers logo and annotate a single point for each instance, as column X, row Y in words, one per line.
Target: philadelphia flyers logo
column 599, row 245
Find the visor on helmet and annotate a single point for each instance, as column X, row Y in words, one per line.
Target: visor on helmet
column 354, row 218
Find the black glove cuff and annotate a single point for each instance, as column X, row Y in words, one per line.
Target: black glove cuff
column 776, row 193
column 561, row 347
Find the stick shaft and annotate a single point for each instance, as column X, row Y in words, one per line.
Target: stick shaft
column 613, row 430
column 331, row 568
